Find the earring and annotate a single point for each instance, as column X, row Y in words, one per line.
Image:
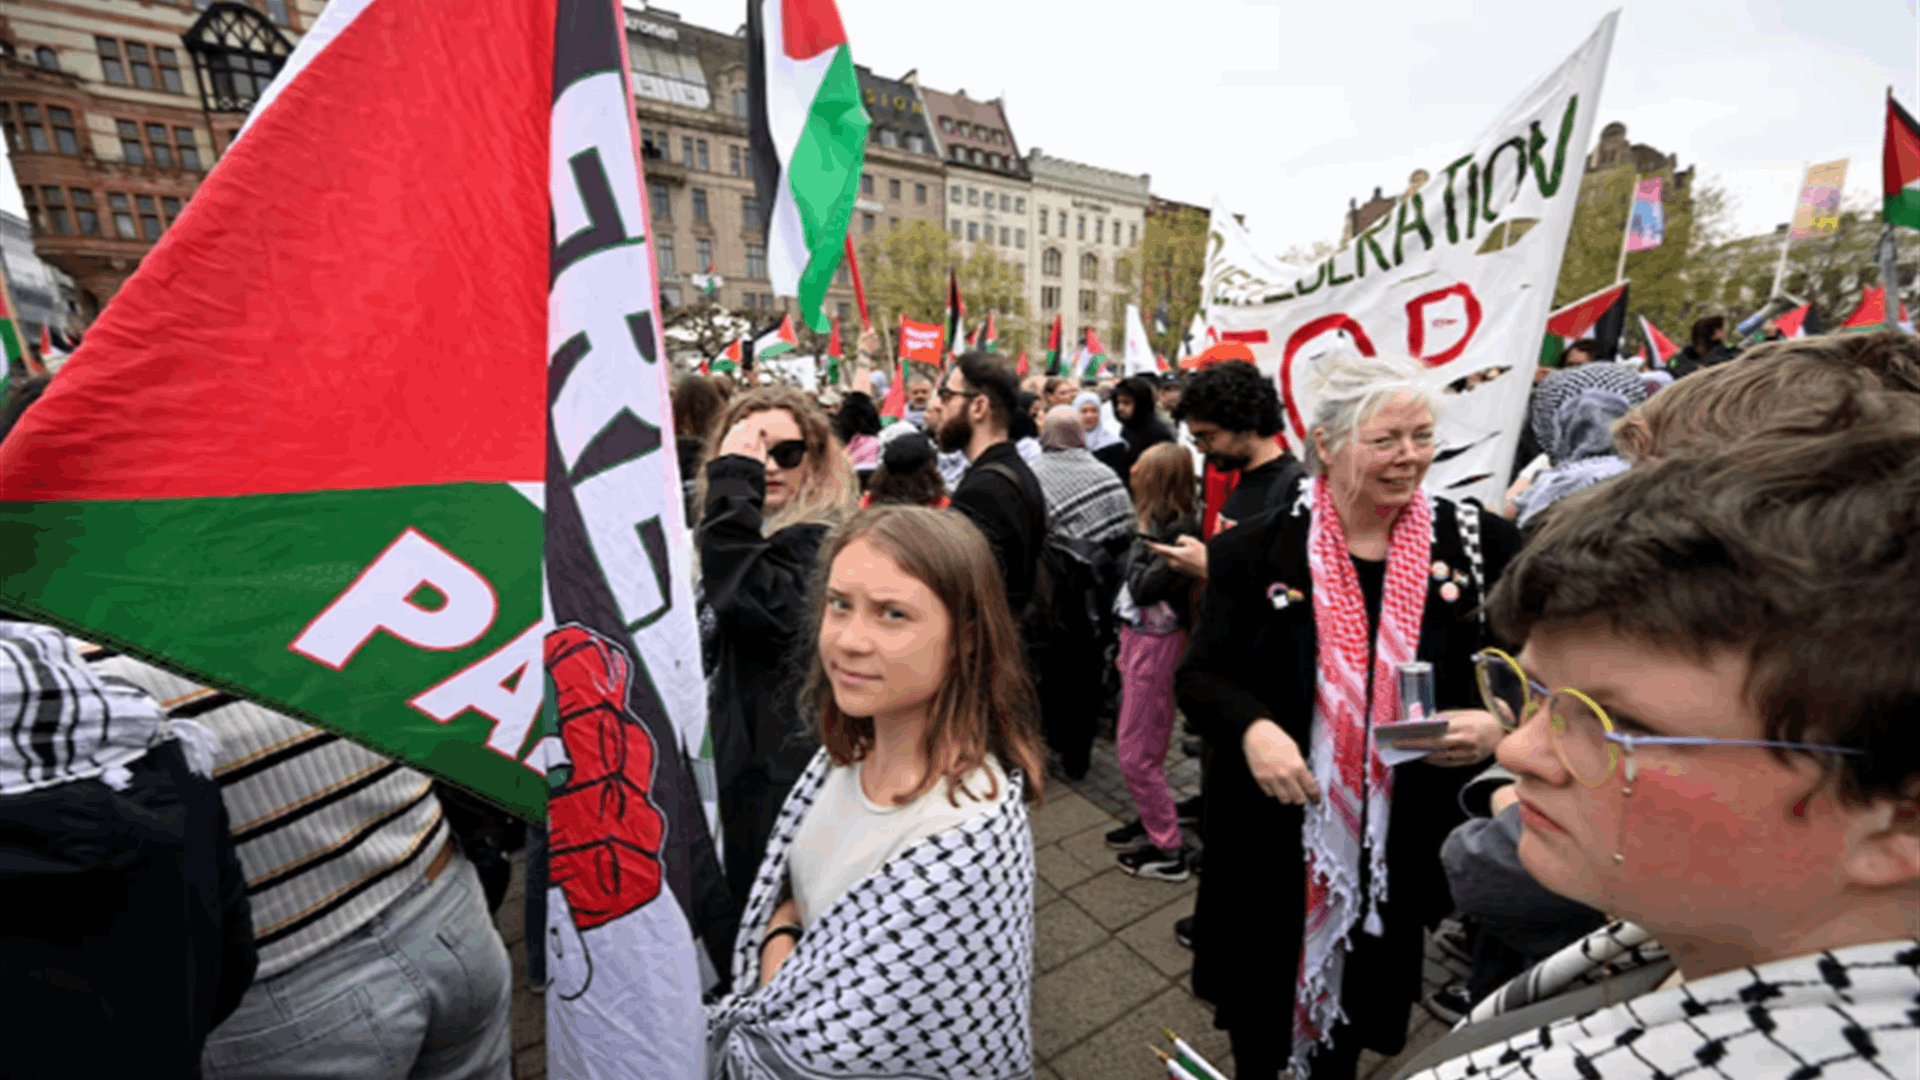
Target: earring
column 1620, row 836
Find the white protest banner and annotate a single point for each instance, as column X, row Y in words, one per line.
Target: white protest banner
column 1460, row 275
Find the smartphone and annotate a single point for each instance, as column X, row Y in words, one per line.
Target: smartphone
column 1390, row 734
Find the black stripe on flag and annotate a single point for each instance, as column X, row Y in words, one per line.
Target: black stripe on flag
column 761, row 155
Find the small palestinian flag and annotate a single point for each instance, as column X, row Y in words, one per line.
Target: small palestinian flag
column 709, row 282
column 1053, row 348
column 1095, row 355
column 807, row 130
column 726, row 363
column 956, row 312
column 1662, row 346
column 833, row 356
column 1872, row 312
column 1601, row 315
column 1794, row 323
column 1020, row 369
column 1900, row 166
column 776, row 342
column 988, row 339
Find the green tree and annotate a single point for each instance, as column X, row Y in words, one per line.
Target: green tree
column 1171, row 259
column 905, row 271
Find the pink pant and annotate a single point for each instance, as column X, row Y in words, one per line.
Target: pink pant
column 1146, row 723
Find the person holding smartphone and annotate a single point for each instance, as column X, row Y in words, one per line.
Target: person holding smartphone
column 774, row 484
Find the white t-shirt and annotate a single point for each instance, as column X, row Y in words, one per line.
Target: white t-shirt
column 846, row 836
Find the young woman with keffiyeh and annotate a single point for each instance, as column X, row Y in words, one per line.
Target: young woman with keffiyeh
column 1322, row 862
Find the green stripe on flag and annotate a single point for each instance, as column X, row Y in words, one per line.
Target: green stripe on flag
column 824, row 175
column 1903, row 207
column 219, row 588
column 1551, row 350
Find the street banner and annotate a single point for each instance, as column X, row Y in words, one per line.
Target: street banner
column 314, row 458
column 1140, row 358
column 1817, row 212
column 807, row 139
column 1646, row 222
column 1458, row 276
column 1900, row 167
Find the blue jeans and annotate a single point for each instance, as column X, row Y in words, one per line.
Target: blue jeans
column 419, row 993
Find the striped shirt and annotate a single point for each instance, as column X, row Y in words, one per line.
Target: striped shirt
column 329, row 833
column 62, row 718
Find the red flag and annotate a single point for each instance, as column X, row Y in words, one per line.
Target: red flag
column 833, row 343
column 895, row 405
column 1872, row 312
column 1022, row 367
column 920, row 342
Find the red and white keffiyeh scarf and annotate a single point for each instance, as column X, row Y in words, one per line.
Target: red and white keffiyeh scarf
column 1344, row 761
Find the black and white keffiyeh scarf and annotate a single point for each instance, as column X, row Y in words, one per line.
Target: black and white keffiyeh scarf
column 1843, row 1014
column 922, row 970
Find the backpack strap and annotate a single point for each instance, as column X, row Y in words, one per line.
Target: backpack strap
column 1466, row 516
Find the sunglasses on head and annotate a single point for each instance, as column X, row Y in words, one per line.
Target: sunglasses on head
column 789, row 453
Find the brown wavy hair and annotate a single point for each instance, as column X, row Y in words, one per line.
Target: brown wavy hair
column 1164, row 487
column 829, row 492
column 985, row 704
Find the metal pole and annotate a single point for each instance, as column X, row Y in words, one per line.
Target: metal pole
column 1786, row 241
column 1889, row 252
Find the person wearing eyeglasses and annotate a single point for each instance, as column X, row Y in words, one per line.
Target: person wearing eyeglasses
column 775, row 483
column 1719, row 751
column 1322, row 866
column 973, row 412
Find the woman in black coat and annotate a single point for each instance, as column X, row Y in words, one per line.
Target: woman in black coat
column 774, row 485
column 1140, row 426
column 1254, row 682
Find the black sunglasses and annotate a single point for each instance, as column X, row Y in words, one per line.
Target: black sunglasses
column 788, row 454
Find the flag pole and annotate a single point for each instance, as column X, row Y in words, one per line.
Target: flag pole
column 1786, row 240
column 859, row 290
column 1888, row 253
column 1626, row 232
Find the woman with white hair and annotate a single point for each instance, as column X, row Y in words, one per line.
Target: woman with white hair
column 1323, row 863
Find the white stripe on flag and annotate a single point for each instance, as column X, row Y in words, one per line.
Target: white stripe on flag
column 791, row 86
column 333, row 21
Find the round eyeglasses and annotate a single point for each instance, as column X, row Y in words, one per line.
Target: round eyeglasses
column 1584, row 737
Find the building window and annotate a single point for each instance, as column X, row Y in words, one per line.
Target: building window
column 916, row 144
column 1020, row 206
column 122, row 215
column 893, row 223
column 1050, row 297
column 1003, row 235
column 965, row 129
column 130, row 148
column 888, row 137
column 946, row 125
column 170, row 206
column 662, row 200
column 1043, row 222
column 1090, row 267
column 954, row 195
column 46, row 58
column 669, row 296
column 973, row 196
column 158, row 147
column 84, row 213
column 1122, row 268
column 740, row 103
column 1006, row 202
column 750, row 213
column 1099, row 230
column 1063, row 223
column 1089, row 302
column 111, row 68
column 840, row 276
column 1020, row 238
column 700, row 152
column 141, row 65
column 920, row 194
column 954, row 227
column 149, row 217
column 169, row 62
column 1133, row 234
column 1082, row 225
column 866, row 223
column 866, row 183
column 64, row 137
column 703, row 251
column 843, row 311
column 653, row 144
column 277, row 11
column 700, row 205
column 976, row 157
column 663, row 254
column 54, row 202
column 733, row 160
column 686, row 151
column 973, row 231
column 189, row 153
column 1050, row 262
column 756, row 260
column 893, row 189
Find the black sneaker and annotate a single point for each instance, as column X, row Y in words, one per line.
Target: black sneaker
column 1449, row 1003
column 1456, row 941
column 1153, row 862
column 1183, row 932
column 1193, row 861
column 1188, row 810
column 1128, row 836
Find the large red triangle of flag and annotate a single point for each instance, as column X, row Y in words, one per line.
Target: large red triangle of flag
column 229, row 367
column 1577, row 318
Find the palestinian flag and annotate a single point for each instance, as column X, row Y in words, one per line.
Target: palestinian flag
column 1872, row 312
column 1093, row 355
column 1601, row 315
column 1053, row 348
column 727, row 362
column 833, row 356
column 1662, row 346
column 1900, row 166
column 12, row 346
column 709, row 282
column 51, row 345
column 1794, row 324
column 777, row 341
column 956, row 312
column 314, row 460
column 1020, row 368
column 988, row 338
column 807, row 131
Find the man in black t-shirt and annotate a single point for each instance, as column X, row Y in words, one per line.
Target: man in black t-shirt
column 973, row 411
column 1233, row 414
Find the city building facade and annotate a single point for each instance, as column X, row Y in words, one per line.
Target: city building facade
column 113, row 113
column 1087, row 223
column 989, row 191
column 42, row 295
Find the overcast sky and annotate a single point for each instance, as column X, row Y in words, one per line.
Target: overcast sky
column 1285, row 109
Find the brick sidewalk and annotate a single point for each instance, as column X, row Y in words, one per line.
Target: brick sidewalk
column 529, row 1009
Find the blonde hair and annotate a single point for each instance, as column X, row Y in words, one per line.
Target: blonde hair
column 1351, row 389
column 828, row 492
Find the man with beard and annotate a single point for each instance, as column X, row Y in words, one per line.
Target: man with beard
column 972, row 412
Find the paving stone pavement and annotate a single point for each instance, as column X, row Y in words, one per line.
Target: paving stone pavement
column 1108, row 974
column 529, row 1012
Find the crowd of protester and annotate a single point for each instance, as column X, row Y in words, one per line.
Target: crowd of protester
column 1672, row 808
